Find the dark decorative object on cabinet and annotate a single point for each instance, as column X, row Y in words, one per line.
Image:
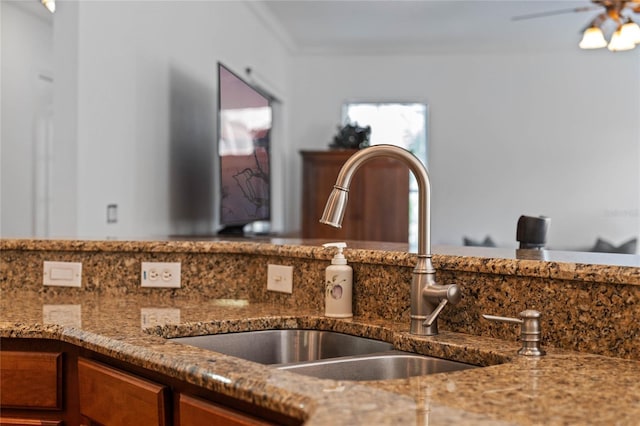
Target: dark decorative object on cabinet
column 351, row 136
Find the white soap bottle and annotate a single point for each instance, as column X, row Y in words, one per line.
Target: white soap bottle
column 338, row 285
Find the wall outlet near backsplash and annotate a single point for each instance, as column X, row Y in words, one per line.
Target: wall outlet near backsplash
column 160, row 274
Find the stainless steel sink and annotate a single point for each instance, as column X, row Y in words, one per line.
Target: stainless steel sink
column 324, row 354
column 384, row 366
column 286, row 346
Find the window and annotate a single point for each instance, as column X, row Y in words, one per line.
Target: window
column 395, row 123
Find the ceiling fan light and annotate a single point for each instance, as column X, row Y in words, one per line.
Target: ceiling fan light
column 592, row 39
column 49, row 4
column 619, row 43
column 631, row 31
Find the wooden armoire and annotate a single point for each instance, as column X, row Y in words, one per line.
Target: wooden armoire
column 378, row 206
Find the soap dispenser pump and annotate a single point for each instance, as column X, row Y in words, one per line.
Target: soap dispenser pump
column 338, row 285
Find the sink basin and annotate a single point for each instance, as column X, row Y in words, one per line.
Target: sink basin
column 324, row 354
column 386, row 366
column 286, row 346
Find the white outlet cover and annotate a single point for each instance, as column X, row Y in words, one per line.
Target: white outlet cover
column 62, row 274
column 160, row 274
column 280, row 278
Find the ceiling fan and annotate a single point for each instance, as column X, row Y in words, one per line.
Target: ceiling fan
column 625, row 34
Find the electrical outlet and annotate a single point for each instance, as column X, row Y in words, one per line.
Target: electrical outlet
column 160, row 274
column 280, row 278
column 62, row 274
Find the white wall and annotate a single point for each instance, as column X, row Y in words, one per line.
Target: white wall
column 556, row 134
column 134, row 112
column 532, row 133
column 65, row 179
column 147, row 110
column 23, row 66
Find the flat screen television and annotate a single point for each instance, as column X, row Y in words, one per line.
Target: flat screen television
column 244, row 138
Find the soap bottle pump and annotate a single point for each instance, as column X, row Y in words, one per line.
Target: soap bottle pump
column 338, row 285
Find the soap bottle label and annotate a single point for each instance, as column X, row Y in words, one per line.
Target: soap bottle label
column 335, row 287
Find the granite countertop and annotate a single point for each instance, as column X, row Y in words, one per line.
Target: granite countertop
column 559, row 388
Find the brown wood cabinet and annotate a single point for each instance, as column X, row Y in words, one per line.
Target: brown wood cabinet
column 49, row 383
column 113, row 397
column 197, row 412
column 9, row 421
column 378, row 206
column 31, row 380
column 31, row 383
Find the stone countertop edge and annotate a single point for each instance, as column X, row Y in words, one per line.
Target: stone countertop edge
column 562, row 265
column 312, row 400
column 506, row 391
column 309, row 399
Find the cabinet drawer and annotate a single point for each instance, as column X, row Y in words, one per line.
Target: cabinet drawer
column 9, row 421
column 113, row 397
column 196, row 412
column 31, row 380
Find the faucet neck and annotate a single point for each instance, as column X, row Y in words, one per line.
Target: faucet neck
column 419, row 171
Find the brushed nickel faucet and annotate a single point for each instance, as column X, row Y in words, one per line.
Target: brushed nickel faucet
column 427, row 298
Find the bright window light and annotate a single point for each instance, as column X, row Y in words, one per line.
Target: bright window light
column 400, row 124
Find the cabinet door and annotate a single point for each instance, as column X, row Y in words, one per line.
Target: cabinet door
column 383, row 204
column 31, row 380
column 197, row 412
column 378, row 206
column 112, row 397
column 319, row 173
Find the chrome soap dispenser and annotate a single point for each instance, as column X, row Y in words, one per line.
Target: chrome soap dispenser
column 338, row 285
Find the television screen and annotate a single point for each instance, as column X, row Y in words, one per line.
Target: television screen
column 244, row 128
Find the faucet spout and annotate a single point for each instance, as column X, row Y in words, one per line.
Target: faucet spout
column 337, row 202
column 426, row 296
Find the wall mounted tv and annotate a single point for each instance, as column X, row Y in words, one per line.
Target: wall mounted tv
column 244, row 130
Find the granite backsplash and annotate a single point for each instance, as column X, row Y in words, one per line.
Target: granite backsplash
column 598, row 315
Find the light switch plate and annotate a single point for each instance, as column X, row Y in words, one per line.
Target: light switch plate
column 62, row 274
column 280, row 278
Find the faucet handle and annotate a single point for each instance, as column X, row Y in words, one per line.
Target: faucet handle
column 431, row 318
column 447, row 294
column 530, row 333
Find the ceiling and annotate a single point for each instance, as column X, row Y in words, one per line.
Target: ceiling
column 423, row 26
column 415, row 26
